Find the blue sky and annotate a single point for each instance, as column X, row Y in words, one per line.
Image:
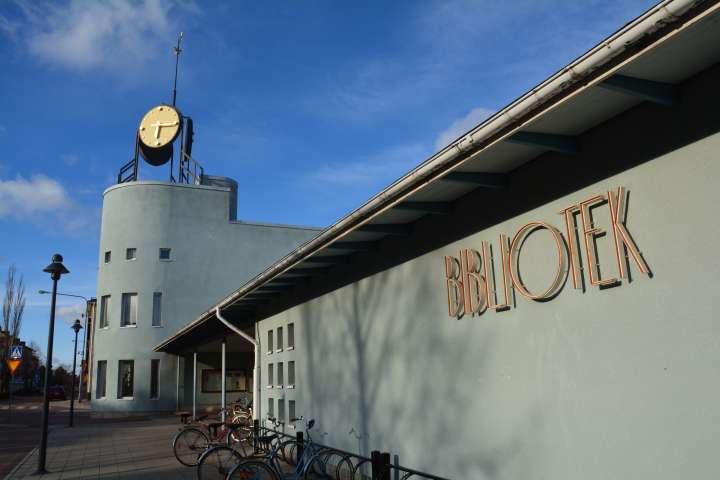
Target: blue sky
column 311, row 106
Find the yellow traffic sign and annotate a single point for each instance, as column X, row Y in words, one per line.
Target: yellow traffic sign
column 13, row 365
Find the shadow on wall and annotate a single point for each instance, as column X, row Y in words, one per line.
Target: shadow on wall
column 381, row 373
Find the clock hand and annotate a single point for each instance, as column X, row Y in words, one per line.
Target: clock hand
column 159, row 125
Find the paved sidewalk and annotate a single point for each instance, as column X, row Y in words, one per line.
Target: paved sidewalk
column 119, row 450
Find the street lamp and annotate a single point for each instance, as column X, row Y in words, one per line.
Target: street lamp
column 55, row 269
column 76, row 327
column 44, row 292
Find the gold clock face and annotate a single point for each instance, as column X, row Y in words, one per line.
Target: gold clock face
column 159, row 126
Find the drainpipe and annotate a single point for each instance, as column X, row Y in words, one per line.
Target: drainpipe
column 194, row 410
column 222, row 382
column 256, row 369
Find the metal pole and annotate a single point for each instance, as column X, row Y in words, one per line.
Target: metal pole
column 177, row 386
column 48, row 366
column 82, row 360
column 194, row 384
column 222, row 382
column 12, row 379
column 72, row 389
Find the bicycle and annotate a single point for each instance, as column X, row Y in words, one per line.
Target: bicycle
column 217, row 461
column 194, row 439
column 309, row 464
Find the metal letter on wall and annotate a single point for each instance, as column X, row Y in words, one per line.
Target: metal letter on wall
column 623, row 240
column 454, row 286
column 515, row 245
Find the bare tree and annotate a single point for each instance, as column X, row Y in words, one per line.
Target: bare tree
column 13, row 309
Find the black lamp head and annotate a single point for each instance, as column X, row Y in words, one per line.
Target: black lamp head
column 56, row 268
column 76, row 326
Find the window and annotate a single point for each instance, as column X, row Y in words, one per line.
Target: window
column 108, row 255
column 279, row 339
column 291, row 374
column 291, row 336
column 104, row 305
column 270, row 375
column 126, row 376
column 270, row 342
column 130, row 253
column 128, row 313
column 291, row 410
column 271, row 410
column 101, row 376
column 280, row 375
column 164, row 254
column 154, row 378
column 157, row 309
column 281, row 409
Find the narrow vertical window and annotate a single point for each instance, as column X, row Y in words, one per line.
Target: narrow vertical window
column 270, row 342
column 130, row 253
column 164, row 254
column 270, row 375
column 101, row 379
column 281, row 410
column 155, row 378
column 279, row 339
column 280, row 375
column 157, row 309
column 291, row 410
column 291, row 336
column 126, row 378
column 128, row 310
column 271, row 410
column 104, row 305
column 108, row 256
column 291, row 374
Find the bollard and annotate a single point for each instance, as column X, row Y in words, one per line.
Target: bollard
column 385, row 466
column 256, row 435
column 300, row 446
column 375, row 463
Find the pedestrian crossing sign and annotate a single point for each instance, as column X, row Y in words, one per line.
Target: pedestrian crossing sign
column 16, row 353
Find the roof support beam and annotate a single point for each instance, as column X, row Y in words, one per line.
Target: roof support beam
column 650, row 90
column 487, row 180
column 433, row 208
column 363, row 246
column 303, row 272
column 386, row 228
column 548, row 141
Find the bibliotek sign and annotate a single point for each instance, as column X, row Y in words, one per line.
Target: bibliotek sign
column 473, row 284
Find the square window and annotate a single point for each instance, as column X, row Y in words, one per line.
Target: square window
column 154, row 379
column 291, row 374
column 157, row 309
column 279, row 339
column 271, row 410
column 128, row 310
column 130, row 253
column 291, row 336
column 101, row 376
column 104, row 306
column 270, row 375
column 280, row 375
column 108, row 256
column 164, row 254
column 126, row 377
column 270, row 341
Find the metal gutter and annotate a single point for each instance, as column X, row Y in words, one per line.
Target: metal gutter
column 583, row 73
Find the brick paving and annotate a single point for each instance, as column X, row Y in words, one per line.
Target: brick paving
column 139, row 449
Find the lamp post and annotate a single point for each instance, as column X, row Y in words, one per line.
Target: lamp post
column 55, row 269
column 45, row 292
column 76, row 327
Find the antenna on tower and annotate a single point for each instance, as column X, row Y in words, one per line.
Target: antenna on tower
column 177, row 51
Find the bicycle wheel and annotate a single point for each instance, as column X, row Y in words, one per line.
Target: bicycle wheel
column 315, row 469
column 337, row 465
column 188, row 445
column 238, row 434
column 217, row 462
column 288, row 452
column 252, row 470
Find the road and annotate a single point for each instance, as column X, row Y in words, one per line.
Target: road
column 20, row 433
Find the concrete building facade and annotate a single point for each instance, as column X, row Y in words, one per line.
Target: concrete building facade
column 167, row 250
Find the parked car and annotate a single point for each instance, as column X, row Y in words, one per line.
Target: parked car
column 57, row 392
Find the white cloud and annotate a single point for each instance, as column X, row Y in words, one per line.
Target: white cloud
column 21, row 198
column 69, row 313
column 461, row 126
column 81, row 35
column 371, row 171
